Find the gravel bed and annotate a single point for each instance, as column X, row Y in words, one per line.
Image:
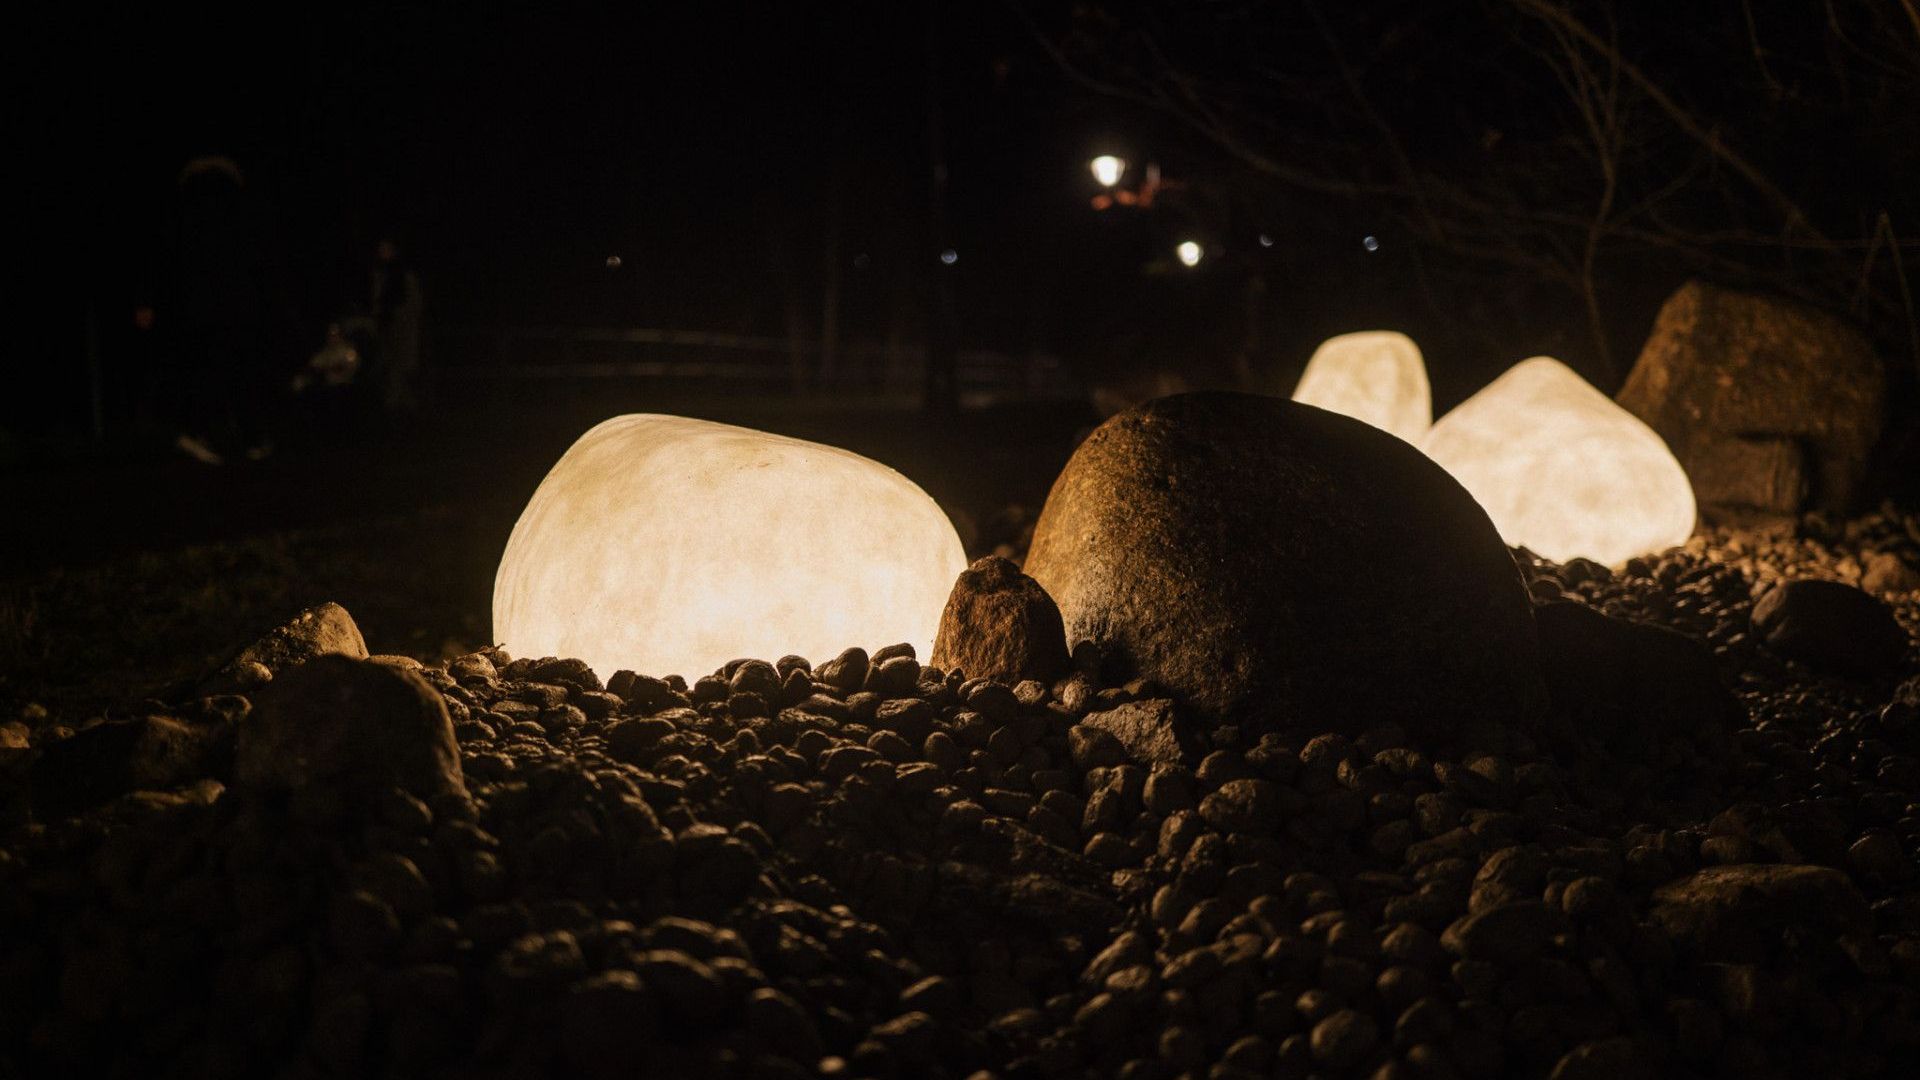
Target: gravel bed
column 868, row 867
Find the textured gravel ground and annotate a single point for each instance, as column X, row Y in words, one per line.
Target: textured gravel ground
column 865, row 867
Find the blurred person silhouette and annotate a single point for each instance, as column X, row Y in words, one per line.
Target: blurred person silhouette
column 210, row 306
column 330, row 387
column 396, row 306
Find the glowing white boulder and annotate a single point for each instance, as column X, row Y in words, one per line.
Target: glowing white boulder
column 670, row 545
column 1562, row 470
column 1376, row 376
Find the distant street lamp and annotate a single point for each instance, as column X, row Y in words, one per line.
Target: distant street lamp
column 1190, row 252
column 1109, row 170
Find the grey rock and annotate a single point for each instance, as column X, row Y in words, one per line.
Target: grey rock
column 1147, row 729
column 1507, row 934
column 1769, row 476
column 1282, row 565
column 349, row 725
column 1830, row 626
column 1344, row 1039
column 106, row 760
column 846, row 672
column 1618, row 1058
column 609, row 1023
column 1245, row 806
column 1737, row 913
column 1721, row 367
column 1887, row 572
column 322, row 630
column 1000, row 624
column 1628, row 684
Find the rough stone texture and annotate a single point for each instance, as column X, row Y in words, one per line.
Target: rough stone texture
column 1000, row 624
column 106, row 760
column 954, row 878
column 1724, row 367
column 1277, row 563
column 1769, row 475
column 1886, row 572
column 1738, row 913
column 1147, row 729
column 350, row 725
column 1830, row 626
column 1509, row 933
column 1629, row 684
column 321, row 630
column 1618, row 1058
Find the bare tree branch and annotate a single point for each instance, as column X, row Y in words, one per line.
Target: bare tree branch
column 1558, row 16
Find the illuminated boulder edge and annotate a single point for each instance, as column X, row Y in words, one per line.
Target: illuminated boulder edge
column 1562, row 470
column 670, row 545
column 1375, row 376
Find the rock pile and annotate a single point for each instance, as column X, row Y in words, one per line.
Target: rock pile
column 869, row 867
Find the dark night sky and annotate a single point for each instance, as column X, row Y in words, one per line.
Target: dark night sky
column 708, row 145
column 701, row 143
column 516, row 151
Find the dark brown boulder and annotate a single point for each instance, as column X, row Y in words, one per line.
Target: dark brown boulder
column 1633, row 687
column 1739, row 913
column 1000, row 624
column 351, row 726
column 1766, row 403
column 110, row 759
column 1830, row 626
column 1290, row 568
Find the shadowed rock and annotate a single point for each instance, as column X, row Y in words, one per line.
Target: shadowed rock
column 1764, row 402
column 101, row 762
column 321, row 630
column 352, row 726
column 1296, row 569
column 1146, row 729
column 1739, row 913
column 1830, row 626
column 1629, row 685
column 1000, row 624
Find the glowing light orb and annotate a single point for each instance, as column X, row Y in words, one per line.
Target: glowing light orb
column 1107, row 169
column 1562, row 470
column 670, row 545
column 1376, row 376
column 1190, row 252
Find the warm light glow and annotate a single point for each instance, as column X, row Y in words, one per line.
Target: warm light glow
column 670, row 546
column 1107, row 169
column 1562, row 470
column 1376, row 376
column 1189, row 252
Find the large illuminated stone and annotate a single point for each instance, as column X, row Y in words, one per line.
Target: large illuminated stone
column 1562, row 470
column 670, row 545
column 1376, row 376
